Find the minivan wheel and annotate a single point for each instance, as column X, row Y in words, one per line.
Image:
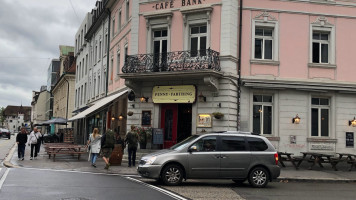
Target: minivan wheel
column 258, row 177
column 172, row 175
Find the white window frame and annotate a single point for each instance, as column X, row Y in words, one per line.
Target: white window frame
column 271, row 104
column 275, row 42
column 119, row 18
column 330, row 29
column 319, row 107
column 199, row 35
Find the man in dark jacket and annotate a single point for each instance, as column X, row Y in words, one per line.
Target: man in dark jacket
column 131, row 140
column 21, row 140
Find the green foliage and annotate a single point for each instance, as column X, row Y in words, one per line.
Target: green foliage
column 2, row 117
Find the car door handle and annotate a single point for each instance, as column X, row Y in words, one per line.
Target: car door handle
column 223, row 156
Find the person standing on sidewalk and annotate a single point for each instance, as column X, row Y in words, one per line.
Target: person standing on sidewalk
column 21, row 140
column 94, row 144
column 32, row 141
column 107, row 145
column 132, row 141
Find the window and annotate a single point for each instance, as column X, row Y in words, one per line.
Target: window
column 105, row 43
column 263, row 43
column 111, row 69
column 262, row 114
column 81, row 96
column 119, row 21
column 206, row 144
column 256, row 144
column 127, row 10
column 320, row 47
column 100, row 50
column 99, row 83
column 113, row 27
column 94, row 88
column 85, row 93
column 118, row 63
column 233, row 144
column 76, row 99
column 198, row 35
column 320, row 117
column 80, row 69
column 159, row 49
column 86, row 64
column 83, row 69
column 96, row 53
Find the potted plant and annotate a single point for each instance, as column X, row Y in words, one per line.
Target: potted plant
column 218, row 115
column 142, row 137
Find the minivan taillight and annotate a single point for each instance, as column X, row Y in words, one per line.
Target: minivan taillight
column 276, row 158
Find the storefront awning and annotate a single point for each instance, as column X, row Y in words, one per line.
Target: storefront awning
column 97, row 105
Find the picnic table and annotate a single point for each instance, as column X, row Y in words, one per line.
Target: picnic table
column 350, row 158
column 284, row 156
column 318, row 158
column 64, row 148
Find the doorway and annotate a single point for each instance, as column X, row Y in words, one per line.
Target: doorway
column 176, row 121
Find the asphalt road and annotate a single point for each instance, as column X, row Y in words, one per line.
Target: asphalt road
column 5, row 146
column 299, row 190
column 36, row 184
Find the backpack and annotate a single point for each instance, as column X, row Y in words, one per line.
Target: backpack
column 132, row 139
column 109, row 139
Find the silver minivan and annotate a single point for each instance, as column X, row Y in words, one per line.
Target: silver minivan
column 235, row 155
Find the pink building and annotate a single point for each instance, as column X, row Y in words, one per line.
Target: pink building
column 182, row 68
column 297, row 62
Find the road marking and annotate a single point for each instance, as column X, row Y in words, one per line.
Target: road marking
column 169, row 193
column 4, row 177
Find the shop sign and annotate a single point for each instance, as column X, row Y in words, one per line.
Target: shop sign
column 174, row 94
column 157, row 136
column 170, row 4
column 350, row 139
column 325, row 147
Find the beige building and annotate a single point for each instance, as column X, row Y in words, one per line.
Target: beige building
column 63, row 91
column 39, row 99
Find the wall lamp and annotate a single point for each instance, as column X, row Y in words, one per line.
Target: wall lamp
column 201, row 98
column 121, row 117
column 133, row 105
column 144, row 99
column 296, row 119
column 352, row 122
column 219, row 105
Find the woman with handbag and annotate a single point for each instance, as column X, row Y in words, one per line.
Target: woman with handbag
column 94, row 145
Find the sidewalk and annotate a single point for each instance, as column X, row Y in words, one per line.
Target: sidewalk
column 289, row 173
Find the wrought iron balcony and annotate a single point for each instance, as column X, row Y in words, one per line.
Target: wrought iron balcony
column 172, row 61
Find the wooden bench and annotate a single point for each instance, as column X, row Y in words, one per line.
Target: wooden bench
column 54, row 153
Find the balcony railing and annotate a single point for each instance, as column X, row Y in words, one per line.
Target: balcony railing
column 172, row 61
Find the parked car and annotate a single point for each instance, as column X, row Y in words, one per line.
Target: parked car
column 235, row 155
column 5, row 133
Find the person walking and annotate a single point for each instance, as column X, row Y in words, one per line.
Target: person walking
column 107, row 145
column 21, row 140
column 132, row 141
column 94, row 144
column 32, row 141
column 40, row 140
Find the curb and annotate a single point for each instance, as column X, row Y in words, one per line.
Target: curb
column 7, row 161
column 319, row 180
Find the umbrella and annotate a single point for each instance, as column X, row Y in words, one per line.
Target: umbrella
column 58, row 120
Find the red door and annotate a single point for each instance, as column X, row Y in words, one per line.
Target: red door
column 169, row 121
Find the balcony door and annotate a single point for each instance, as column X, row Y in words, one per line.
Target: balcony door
column 159, row 50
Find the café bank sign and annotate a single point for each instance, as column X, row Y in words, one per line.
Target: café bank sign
column 174, row 94
column 170, row 4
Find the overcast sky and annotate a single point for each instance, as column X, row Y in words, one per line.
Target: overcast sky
column 30, row 34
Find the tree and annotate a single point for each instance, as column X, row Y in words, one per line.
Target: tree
column 2, row 117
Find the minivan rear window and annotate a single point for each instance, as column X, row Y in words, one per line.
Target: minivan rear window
column 233, row 144
column 256, row 144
